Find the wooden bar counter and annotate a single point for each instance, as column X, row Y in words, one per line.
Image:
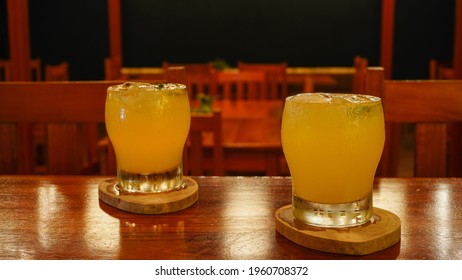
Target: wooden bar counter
column 61, row 217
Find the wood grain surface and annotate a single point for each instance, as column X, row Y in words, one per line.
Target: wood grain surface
column 61, row 217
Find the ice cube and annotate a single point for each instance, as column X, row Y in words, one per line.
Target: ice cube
column 312, row 97
column 130, row 86
column 354, row 98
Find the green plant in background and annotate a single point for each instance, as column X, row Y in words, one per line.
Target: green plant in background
column 220, row 64
column 205, row 103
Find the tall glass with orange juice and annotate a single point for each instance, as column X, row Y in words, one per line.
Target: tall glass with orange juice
column 148, row 125
column 332, row 144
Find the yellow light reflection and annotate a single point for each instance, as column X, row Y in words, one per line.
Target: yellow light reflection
column 102, row 234
column 47, row 214
column 241, row 204
column 59, row 221
column 443, row 217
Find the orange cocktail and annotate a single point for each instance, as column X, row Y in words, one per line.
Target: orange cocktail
column 148, row 125
column 332, row 143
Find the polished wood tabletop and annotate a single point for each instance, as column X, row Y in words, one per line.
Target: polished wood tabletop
column 61, row 217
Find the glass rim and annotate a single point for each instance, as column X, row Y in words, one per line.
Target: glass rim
column 146, row 86
column 370, row 98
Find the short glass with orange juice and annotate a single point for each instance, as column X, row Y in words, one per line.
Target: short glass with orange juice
column 148, row 125
column 332, row 144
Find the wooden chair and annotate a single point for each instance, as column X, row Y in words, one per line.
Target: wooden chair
column 431, row 105
column 58, row 104
column 5, row 74
column 276, row 75
column 39, row 130
column 59, row 72
column 446, row 70
column 359, row 77
column 204, row 150
column 233, row 85
column 112, row 69
column 440, row 70
column 36, row 69
column 198, row 76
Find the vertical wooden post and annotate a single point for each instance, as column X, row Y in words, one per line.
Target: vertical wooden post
column 115, row 29
column 113, row 63
column 388, row 166
column 19, row 42
column 387, row 33
column 455, row 130
column 457, row 59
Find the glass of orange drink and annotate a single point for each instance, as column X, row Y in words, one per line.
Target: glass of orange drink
column 332, row 143
column 148, row 125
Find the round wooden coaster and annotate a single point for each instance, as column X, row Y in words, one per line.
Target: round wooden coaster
column 383, row 231
column 152, row 203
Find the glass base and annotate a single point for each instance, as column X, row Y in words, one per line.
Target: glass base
column 333, row 215
column 152, row 182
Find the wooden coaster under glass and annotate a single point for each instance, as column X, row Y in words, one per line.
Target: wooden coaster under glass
column 149, row 203
column 381, row 232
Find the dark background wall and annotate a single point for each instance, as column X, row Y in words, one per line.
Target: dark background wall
column 3, row 31
column 423, row 30
column 300, row 32
column 76, row 31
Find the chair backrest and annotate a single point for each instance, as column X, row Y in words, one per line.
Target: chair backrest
column 36, row 69
column 112, row 68
column 58, row 104
column 5, row 74
column 276, row 75
column 440, row 69
column 204, row 150
column 58, row 72
column 359, row 77
column 429, row 104
column 234, row 85
column 198, row 76
column 35, row 66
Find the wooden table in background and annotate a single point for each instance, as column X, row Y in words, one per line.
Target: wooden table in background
column 61, row 217
column 305, row 77
column 308, row 78
column 252, row 136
